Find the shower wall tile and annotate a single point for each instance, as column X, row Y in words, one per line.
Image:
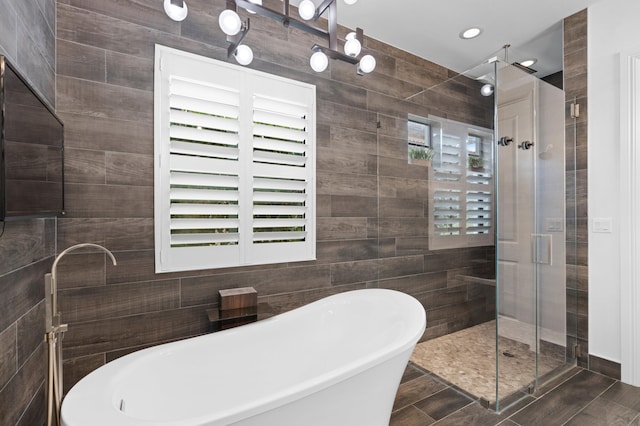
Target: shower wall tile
column 280, row 303
column 8, row 354
column 95, row 303
column 348, row 250
column 128, row 169
column 353, row 206
column 575, row 83
column 81, row 61
column 399, row 266
column 77, row 96
column 26, row 384
column 107, row 134
column 76, row 368
column 34, row 414
column 133, row 330
column 381, row 82
column 129, row 71
column 426, row 74
column 115, row 234
column 30, row 332
column 416, row 284
column 575, row 32
column 340, row 160
column 84, row 166
column 144, row 13
column 341, row 228
column 412, row 245
column 97, row 201
column 354, row 272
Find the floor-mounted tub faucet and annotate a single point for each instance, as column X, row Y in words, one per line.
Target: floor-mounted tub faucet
column 53, row 335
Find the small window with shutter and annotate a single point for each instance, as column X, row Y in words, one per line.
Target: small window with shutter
column 234, row 165
column 461, row 184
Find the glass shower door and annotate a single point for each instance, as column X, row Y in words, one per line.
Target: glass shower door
column 530, row 237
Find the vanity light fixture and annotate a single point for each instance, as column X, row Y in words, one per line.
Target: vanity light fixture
column 236, row 30
column 175, row 9
column 470, row 33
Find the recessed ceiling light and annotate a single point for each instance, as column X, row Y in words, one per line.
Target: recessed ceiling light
column 469, row 33
column 528, row 62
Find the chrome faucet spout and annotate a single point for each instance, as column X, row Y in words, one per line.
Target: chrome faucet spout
column 54, row 284
column 54, row 332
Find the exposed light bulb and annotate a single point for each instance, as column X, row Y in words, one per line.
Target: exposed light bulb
column 175, row 12
column 229, row 22
column 319, row 62
column 258, row 2
column 243, row 54
column 352, row 46
column 486, row 90
column 350, row 1
column 306, row 9
column 367, row 64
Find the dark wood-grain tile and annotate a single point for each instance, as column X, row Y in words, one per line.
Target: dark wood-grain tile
column 565, row 401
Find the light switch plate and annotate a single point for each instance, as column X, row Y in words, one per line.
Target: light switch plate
column 603, row 225
column 554, row 224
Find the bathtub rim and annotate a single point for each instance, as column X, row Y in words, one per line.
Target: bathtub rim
column 111, row 372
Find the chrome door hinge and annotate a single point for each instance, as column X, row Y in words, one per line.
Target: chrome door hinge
column 574, row 110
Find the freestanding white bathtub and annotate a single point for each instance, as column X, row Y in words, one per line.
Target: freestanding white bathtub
column 337, row 361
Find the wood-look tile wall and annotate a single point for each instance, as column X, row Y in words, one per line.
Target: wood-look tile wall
column 372, row 228
column 26, row 247
column 575, row 86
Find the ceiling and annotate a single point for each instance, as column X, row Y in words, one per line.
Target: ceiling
column 430, row 28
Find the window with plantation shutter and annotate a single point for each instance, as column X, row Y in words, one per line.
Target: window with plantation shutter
column 461, row 185
column 234, row 165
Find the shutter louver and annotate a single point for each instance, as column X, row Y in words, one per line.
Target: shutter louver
column 203, row 164
column 447, row 212
column 280, row 193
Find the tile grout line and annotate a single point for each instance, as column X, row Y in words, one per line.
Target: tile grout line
column 591, row 402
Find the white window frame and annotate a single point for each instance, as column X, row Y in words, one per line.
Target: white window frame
column 449, row 178
column 264, row 173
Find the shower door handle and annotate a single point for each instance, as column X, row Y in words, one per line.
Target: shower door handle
column 505, row 141
column 526, row 145
column 542, row 249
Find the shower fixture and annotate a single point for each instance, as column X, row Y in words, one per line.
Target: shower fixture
column 526, row 145
column 236, row 30
column 505, row 141
column 54, row 332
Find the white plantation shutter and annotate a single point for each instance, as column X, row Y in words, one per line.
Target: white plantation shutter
column 235, row 165
column 461, row 198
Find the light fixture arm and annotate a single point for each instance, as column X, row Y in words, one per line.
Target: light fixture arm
column 323, row 7
column 237, row 39
column 285, row 18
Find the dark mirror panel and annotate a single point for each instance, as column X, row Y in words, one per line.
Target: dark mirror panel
column 32, row 151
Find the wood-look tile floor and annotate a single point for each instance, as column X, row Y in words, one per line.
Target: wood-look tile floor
column 576, row 398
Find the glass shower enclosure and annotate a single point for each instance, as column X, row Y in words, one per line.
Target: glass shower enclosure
column 501, row 177
column 531, row 233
